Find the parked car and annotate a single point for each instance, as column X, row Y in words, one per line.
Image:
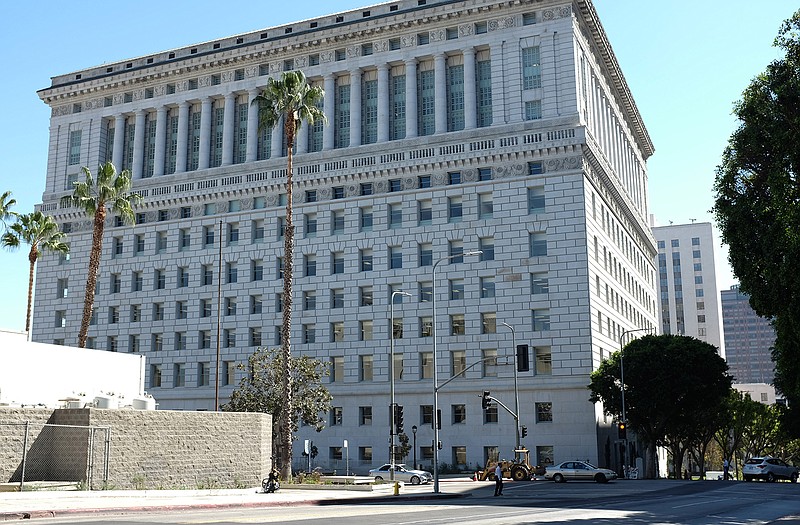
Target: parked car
column 769, row 469
column 578, row 470
column 401, row 473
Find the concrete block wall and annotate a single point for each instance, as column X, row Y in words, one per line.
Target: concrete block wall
column 148, row 449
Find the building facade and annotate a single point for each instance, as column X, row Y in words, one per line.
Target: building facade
column 688, row 282
column 748, row 340
column 502, row 127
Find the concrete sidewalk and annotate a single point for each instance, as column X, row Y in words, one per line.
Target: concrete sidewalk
column 52, row 503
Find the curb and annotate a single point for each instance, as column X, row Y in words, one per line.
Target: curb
column 360, row 500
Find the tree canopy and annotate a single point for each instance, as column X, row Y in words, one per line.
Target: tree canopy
column 261, row 390
column 757, row 202
column 671, row 384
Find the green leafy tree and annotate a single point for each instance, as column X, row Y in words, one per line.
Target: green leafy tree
column 110, row 191
column 261, row 390
column 6, row 203
column 669, row 381
column 740, row 410
column 757, row 203
column 42, row 233
column 291, row 101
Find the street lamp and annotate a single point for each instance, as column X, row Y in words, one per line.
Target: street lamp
column 391, row 383
column 516, row 388
column 435, row 369
column 622, row 385
column 414, row 433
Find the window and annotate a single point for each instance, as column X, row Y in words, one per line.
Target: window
column 533, row 110
column 118, row 247
column 366, row 330
column 395, row 185
column 695, row 241
column 365, row 454
column 487, row 287
column 208, row 235
column 424, row 181
column 538, row 244
column 230, row 306
column 459, row 414
column 180, row 341
column 544, row 412
column 539, row 284
column 337, row 262
column 454, row 209
column 183, row 277
column 425, row 211
column 454, row 177
column 204, row 339
column 309, row 300
column 456, row 249
column 281, row 227
column 541, row 320
column 337, row 298
column 338, row 192
column 366, row 218
column 365, row 418
column 485, row 206
column 311, row 224
column 116, row 283
column 207, row 275
column 309, row 334
column 258, row 230
column 535, row 168
column 75, row 147
column 184, row 239
column 490, row 414
column 701, row 318
column 231, row 272
column 155, row 376
column 161, row 242
column 489, row 358
column 366, row 188
column 203, row 374
column 136, row 313
column 158, row 312
column 535, row 200
column 311, row 195
column 157, row 342
column 426, row 365
column 395, row 257
column 365, row 366
column 457, row 324
column 531, row 68
column 310, row 265
column 425, row 291
column 337, row 222
column 336, row 419
column 487, row 247
column 229, row 338
column 425, row 326
column 451, row 33
column 205, row 307
column 337, row 332
column 137, row 282
column 138, row 244
column 257, row 270
column 397, row 328
column 256, row 304
column 544, row 360
column 395, row 215
column 488, row 323
column 426, row 254
column 337, row 369
column 279, row 268
column 365, row 256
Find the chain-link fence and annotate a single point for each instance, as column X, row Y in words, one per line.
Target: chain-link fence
column 43, row 452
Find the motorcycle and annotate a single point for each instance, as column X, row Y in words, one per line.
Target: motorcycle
column 272, row 483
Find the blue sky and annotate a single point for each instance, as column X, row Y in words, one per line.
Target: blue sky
column 686, row 62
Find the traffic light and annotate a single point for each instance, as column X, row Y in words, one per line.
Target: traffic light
column 439, row 445
column 485, row 401
column 523, row 364
column 622, row 430
column 398, row 419
column 524, row 431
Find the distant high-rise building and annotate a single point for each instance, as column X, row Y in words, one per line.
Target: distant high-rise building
column 689, row 302
column 748, row 339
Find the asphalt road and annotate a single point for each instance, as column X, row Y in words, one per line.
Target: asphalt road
column 639, row 502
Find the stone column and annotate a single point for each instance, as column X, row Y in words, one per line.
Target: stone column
column 252, row 127
column 411, row 98
column 470, row 95
column 440, row 93
column 301, row 138
column 383, row 102
column 183, row 137
column 161, row 141
column 355, row 107
column 119, row 141
column 205, row 133
column 137, row 163
column 227, row 129
column 329, row 107
column 277, row 140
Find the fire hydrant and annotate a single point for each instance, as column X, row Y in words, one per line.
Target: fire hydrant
column 396, row 488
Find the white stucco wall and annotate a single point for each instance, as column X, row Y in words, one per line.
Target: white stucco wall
column 37, row 373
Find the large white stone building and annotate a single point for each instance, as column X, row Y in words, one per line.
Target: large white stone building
column 689, row 303
column 454, row 126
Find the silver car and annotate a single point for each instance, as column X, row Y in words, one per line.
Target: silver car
column 578, row 470
column 769, row 469
column 401, row 473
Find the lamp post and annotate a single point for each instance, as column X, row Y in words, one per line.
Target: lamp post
column 516, row 387
column 414, row 433
column 391, row 382
column 622, row 386
column 435, row 369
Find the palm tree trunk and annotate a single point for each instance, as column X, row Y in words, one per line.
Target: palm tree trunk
column 91, row 279
column 286, row 351
column 32, row 256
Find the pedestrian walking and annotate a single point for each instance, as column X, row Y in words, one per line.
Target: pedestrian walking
column 725, row 468
column 498, row 480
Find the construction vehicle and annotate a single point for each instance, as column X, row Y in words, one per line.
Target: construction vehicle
column 519, row 469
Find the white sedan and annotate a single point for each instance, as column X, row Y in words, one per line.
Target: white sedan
column 578, row 470
column 401, row 473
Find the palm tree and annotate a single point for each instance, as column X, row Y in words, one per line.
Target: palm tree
column 6, row 202
column 291, row 100
column 110, row 191
column 41, row 232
